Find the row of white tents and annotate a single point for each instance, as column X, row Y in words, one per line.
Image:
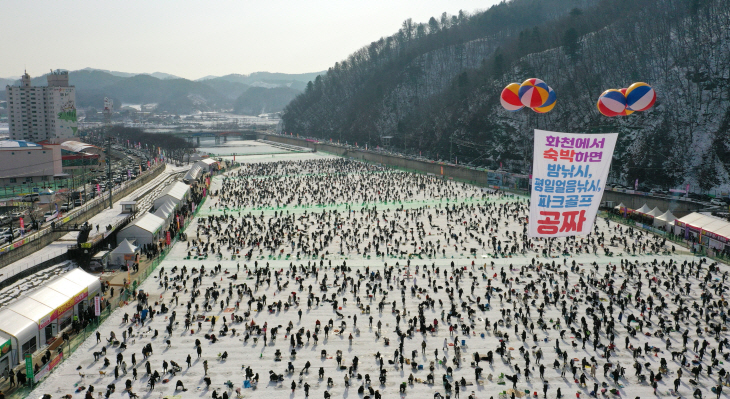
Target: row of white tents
column 663, row 220
column 706, row 229
column 149, row 227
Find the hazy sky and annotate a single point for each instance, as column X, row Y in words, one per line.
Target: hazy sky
column 193, row 39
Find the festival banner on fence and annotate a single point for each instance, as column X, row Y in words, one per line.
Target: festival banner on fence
column 569, row 175
column 48, row 367
column 97, row 306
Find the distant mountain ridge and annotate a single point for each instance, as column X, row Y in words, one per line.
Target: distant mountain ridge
column 158, row 75
column 252, row 78
column 181, row 96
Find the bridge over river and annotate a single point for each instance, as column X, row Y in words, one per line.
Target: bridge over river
column 220, row 136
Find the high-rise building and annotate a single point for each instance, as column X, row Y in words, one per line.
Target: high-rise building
column 40, row 113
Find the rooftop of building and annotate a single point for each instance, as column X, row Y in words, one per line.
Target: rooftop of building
column 76, row 146
column 18, row 144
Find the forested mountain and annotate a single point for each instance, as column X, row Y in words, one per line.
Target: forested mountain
column 437, row 84
column 260, row 100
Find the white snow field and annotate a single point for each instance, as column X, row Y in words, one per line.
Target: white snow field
column 332, row 202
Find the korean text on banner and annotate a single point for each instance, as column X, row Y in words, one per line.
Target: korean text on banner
column 569, row 176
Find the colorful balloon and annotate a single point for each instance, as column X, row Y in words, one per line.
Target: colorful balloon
column 549, row 103
column 510, row 97
column 640, row 97
column 611, row 103
column 533, row 93
column 626, row 111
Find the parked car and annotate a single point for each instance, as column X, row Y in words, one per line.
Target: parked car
column 67, row 207
column 78, row 203
column 7, row 237
column 31, row 198
column 17, row 215
column 717, row 201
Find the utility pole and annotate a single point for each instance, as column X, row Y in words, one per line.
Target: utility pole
column 109, row 168
column 451, row 148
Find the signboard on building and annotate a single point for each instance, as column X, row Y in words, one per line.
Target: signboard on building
column 569, row 176
column 5, row 348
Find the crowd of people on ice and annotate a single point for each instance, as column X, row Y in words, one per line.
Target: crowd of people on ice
column 455, row 297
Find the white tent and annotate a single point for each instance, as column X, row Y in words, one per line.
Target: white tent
column 50, row 298
column 65, row 287
column 193, row 174
column 79, row 278
column 715, row 232
column 124, row 248
column 619, row 206
column 31, row 309
column 166, row 211
column 176, row 192
column 41, row 314
column 666, row 219
column 208, row 164
column 146, row 229
column 644, row 209
column 22, row 330
column 46, row 196
column 654, row 212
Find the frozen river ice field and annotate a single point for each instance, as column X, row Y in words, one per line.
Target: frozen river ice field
column 481, row 270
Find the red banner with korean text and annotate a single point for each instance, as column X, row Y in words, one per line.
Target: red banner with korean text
column 568, row 177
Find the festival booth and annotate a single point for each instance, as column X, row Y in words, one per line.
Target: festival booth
column 177, row 193
column 643, row 210
column 124, row 252
column 623, row 209
column 665, row 221
column 46, row 196
column 707, row 230
column 33, row 322
column 166, row 211
column 654, row 212
column 193, row 174
column 146, row 229
column 208, row 164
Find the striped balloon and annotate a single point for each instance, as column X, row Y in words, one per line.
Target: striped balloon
column 533, row 93
column 510, row 97
column 611, row 103
column 640, row 97
column 626, row 111
column 549, row 103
